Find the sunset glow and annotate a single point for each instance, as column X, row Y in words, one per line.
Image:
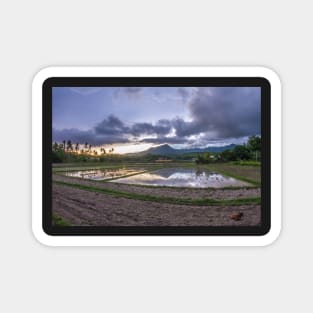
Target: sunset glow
column 126, row 148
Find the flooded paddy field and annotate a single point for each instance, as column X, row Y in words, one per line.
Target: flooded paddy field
column 183, row 177
column 156, row 195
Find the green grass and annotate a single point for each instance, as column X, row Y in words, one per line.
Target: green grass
column 185, row 201
column 247, row 163
column 249, row 174
column 59, row 221
column 67, row 167
column 176, row 187
column 60, row 170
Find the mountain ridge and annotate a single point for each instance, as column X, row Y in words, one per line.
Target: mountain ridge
column 166, row 149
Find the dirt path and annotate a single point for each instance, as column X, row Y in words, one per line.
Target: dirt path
column 191, row 193
column 83, row 208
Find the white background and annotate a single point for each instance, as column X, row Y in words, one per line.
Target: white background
column 36, row 34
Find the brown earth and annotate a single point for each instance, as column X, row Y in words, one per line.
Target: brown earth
column 85, row 208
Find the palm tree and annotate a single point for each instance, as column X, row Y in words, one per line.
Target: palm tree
column 89, row 148
column 69, row 145
column 77, row 147
column 55, row 147
column 64, row 144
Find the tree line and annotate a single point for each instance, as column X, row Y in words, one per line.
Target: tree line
column 67, row 151
column 251, row 151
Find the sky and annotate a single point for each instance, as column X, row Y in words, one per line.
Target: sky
column 132, row 119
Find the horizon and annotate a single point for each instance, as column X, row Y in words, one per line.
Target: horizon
column 125, row 150
column 134, row 119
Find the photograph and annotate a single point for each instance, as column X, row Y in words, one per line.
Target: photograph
column 156, row 156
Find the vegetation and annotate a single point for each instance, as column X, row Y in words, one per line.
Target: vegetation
column 246, row 152
column 59, row 221
column 128, row 195
column 249, row 174
column 241, row 162
column 67, row 152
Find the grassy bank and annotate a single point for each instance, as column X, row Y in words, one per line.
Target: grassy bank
column 248, row 173
column 186, row 201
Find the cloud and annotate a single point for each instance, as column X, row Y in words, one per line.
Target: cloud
column 133, row 92
column 219, row 113
column 89, row 136
column 222, row 112
column 86, row 91
column 183, row 92
column 172, row 140
column 113, row 130
column 132, row 89
column 111, row 125
column 162, row 127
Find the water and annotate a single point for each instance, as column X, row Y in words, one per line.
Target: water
column 182, row 177
column 101, row 174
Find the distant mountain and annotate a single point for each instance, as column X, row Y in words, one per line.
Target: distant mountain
column 161, row 150
column 168, row 150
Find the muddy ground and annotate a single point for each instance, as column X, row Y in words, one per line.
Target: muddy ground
column 85, row 208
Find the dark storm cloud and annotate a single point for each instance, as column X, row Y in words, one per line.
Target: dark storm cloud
column 172, row 140
column 89, row 136
column 214, row 114
column 112, row 129
column 162, row 127
column 111, row 125
column 220, row 113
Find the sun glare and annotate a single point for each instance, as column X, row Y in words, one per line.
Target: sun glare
column 131, row 148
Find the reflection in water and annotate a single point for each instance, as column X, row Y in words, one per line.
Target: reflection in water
column 101, row 174
column 181, row 177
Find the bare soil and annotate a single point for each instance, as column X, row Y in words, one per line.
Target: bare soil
column 85, row 208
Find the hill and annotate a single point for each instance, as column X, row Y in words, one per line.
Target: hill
column 168, row 150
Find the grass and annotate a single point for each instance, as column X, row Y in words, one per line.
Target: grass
column 249, row 174
column 59, row 221
column 176, row 187
column 186, row 201
column 69, row 167
column 84, row 168
column 247, row 163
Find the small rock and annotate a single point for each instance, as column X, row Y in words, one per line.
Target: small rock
column 236, row 216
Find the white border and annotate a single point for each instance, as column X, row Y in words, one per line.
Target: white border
column 155, row 240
